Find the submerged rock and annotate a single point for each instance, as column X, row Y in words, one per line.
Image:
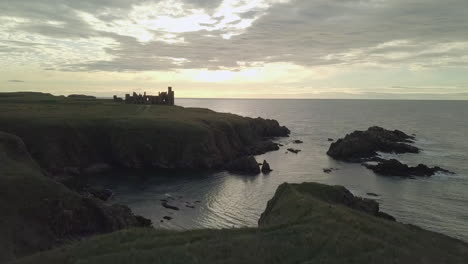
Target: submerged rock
column 295, row 151
column 168, row 206
column 373, row 194
column 395, row 168
column 363, row 145
column 266, row 167
column 297, row 141
column 330, row 140
column 168, row 218
column 329, row 170
column 246, row 165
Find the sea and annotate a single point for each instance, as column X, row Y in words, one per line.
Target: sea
column 217, row 200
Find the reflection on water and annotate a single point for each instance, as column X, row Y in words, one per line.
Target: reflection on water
column 226, row 200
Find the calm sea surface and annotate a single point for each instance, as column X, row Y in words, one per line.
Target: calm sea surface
column 439, row 203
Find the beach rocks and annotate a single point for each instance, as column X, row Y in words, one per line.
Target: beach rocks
column 362, row 146
column 266, row 167
column 247, row 165
column 297, row 141
column 395, row 168
column 295, row 151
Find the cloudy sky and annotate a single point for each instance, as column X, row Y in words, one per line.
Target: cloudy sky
column 411, row 49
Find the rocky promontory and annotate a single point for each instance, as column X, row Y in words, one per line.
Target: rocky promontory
column 362, row 146
column 394, row 167
column 66, row 135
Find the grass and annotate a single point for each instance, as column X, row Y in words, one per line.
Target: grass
column 302, row 228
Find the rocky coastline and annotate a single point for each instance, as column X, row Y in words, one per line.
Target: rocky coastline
column 49, row 148
column 363, row 147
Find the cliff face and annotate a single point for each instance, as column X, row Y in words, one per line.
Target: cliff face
column 38, row 213
column 75, row 135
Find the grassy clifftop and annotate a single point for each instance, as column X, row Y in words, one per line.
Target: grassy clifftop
column 303, row 223
column 77, row 133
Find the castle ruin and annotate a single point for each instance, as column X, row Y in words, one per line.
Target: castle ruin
column 163, row 98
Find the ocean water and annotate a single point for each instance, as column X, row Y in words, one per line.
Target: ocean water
column 224, row 200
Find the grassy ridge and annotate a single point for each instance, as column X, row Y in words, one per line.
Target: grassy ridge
column 302, row 224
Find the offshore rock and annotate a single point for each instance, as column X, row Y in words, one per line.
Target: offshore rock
column 363, row 145
column 266, row 167
column 395, row 168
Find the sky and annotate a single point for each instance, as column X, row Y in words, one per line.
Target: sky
column 376, row 49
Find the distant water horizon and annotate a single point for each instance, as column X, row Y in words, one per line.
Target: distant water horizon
column 225, row 200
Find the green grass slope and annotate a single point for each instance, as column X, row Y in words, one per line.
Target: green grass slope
column 303, row 223
column 65, row 133
column 37, row 213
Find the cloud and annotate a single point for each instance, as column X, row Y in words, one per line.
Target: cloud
column 213, row 34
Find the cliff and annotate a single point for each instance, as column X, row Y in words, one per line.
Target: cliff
column 66, row 134
column 303, row 223
column 38, row 213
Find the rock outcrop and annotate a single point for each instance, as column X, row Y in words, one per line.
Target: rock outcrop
column 38, row 213
column 266, row 167
column 244, row 165
column 362, row 146
column 394, row 167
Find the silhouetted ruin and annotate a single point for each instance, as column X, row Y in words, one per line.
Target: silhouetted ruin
column 163, row 98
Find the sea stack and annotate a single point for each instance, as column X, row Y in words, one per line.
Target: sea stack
column 266, row 167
